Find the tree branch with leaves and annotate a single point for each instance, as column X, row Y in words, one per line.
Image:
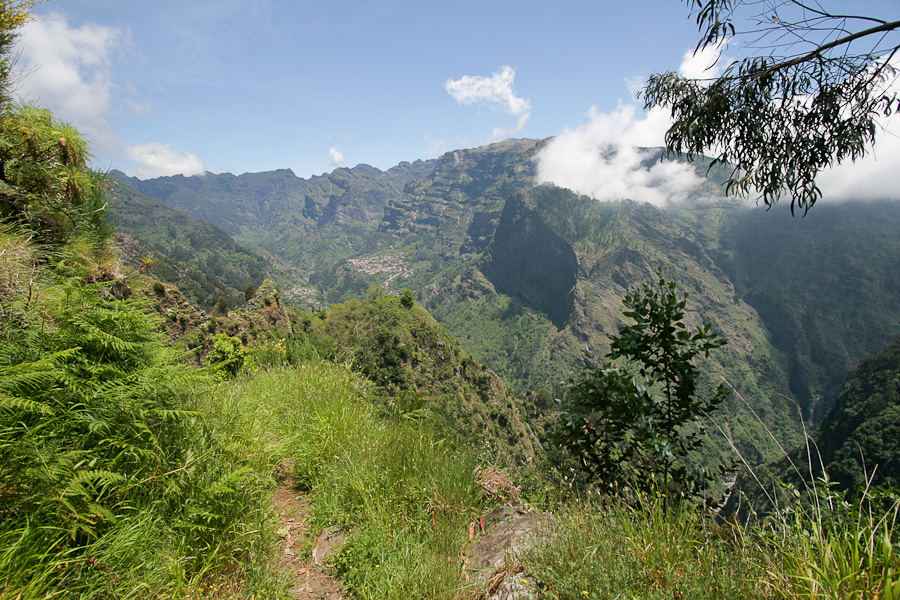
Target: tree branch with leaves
column 809, row 96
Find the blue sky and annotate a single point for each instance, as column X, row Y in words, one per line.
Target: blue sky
column 185, row 86
column 253, row 85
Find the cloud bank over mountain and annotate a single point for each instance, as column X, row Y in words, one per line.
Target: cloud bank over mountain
column 609, row 158
column 160, row 160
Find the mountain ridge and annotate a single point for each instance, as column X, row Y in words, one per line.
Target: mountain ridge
column 443, row 234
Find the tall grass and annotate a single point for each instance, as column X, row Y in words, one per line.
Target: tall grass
column 617, row 550
column 402, row 496
column 823, row 546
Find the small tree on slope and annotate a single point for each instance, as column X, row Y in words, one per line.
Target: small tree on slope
column 632, row 425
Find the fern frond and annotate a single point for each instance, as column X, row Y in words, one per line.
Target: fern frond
column 19, row 404
column 225, row 483
column 174, row 415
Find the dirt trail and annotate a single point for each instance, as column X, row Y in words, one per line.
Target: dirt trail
column 311, row 581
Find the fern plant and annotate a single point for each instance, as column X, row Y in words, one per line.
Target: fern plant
column 97, row 438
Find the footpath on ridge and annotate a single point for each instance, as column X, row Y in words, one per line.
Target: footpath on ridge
column 311, row 580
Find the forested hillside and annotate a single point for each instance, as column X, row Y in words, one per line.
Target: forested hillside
column 526, row 277
column 202, row 260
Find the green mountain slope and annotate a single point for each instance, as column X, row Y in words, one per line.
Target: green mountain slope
column 311, row 223
column 526, row 277
column 860, row 435
column 826, row 286
column 603, row 249
column 421, row 370
column 858, row 442
column 201, row 259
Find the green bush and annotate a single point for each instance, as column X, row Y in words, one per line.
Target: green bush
column 229, row 357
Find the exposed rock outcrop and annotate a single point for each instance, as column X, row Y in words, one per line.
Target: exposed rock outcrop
column 493, row 560
column 266, row 310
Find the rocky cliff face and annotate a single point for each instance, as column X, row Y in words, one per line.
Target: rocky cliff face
column 465, row 192
column 529, row 261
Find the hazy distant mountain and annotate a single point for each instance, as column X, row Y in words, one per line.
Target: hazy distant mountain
column 201, row 259
column 827, row 286
column 310, row 223
column 857, row 443
column 526, row 276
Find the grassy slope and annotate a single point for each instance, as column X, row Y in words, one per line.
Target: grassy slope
column 199, row 524
column 420, row 368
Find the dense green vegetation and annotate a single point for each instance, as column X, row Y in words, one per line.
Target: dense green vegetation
column 126, row 473
column 420, row 371
column 110, row 480
column 857, row 445
column 156, row 480
column 202, row 260
column 826, row 287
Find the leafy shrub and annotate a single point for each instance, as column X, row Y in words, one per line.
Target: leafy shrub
column 632, row 426
column 407, row 298
column 228, row 357
column 221, row 307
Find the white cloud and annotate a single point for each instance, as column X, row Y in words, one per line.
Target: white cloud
column 497, row 93
column 873, row 177
column 603, row 159
column 67, row 70
column 337, row 157
column 706, row 63
column 160, row 160
column 635, row 85
column 435, row 148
